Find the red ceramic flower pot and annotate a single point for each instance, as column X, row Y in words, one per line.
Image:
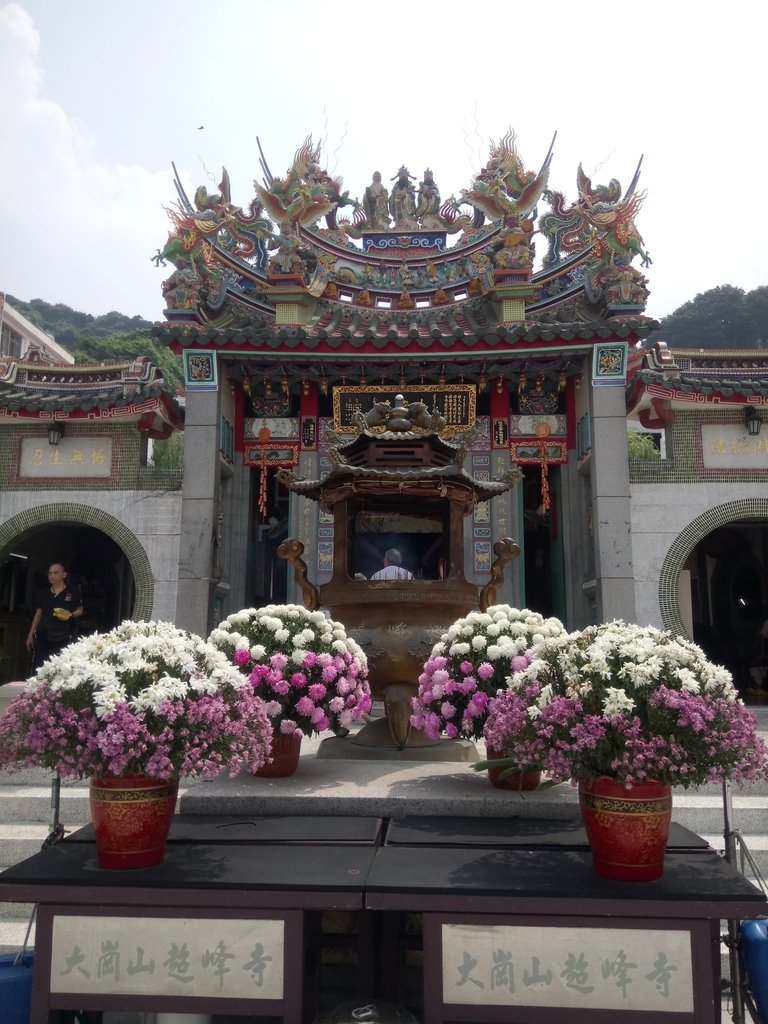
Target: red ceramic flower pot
column 521, row 780
column 286, row 749
column 627, row 828
column 131, row 817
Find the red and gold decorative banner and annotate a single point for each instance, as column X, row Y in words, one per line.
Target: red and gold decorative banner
column 530, row 452
column 268, row 455
column 541, row 453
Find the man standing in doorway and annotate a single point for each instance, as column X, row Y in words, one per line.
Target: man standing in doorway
column 57, row 606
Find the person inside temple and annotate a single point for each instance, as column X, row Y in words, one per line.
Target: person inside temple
column 393, row 567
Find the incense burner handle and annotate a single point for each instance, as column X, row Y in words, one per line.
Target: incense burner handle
column 292, row 550
column 506, row 550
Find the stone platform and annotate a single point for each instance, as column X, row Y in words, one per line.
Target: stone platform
column 387, row 784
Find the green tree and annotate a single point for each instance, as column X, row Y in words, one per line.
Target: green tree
column 169, row 454
column 723, row 317
column 69, row 325
column 641, row 446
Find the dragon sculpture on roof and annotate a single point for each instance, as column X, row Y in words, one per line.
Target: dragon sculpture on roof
column 305, row 194
column 504, row 190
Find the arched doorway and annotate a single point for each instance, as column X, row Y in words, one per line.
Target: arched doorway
column 102, row 556
column 724, row 555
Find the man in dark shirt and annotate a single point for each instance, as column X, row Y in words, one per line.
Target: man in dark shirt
column 56, row 608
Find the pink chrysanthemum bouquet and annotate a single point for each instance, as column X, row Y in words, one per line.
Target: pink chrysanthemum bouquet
column 309, row 673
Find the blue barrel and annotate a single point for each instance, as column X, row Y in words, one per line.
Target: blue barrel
column 16, row 988
column 754, row 943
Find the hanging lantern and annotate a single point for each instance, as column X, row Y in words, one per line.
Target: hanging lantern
column 499, row 384
column 561, row 382
column 482, row 382
column 522, row 384
column 323, row 383
column 285, row 385
column 267, row 383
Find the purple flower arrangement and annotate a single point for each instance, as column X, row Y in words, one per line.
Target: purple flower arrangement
column 632, row 703
column 470, row 663
column 144, row 699
column 309, row 673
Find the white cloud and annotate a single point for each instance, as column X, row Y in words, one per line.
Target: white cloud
column 98, row 99
column 75, row 229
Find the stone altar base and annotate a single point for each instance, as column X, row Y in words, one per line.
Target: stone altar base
column 374, row 743
column 384, row 788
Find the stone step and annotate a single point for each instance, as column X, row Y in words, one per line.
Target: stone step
column 35, row 804
column 704, row 814
column 15, row 912
column 13, row 931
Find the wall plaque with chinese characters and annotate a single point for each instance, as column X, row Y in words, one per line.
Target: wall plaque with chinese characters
column 89, row 457
column 727, row 446
column 456, row 402
column 595, row 968
column 222, row 958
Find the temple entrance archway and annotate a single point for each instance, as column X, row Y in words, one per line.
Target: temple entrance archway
column 723, row 555
column 102, row 557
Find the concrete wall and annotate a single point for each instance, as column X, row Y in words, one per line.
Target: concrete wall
column 149, row 521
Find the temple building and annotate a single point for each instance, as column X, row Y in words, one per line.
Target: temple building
column 511, row 311
column 310, row 307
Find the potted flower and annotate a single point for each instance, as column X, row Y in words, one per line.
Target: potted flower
column 137, row 707
column 626, row 712
column 310, row 674
column 470, row 663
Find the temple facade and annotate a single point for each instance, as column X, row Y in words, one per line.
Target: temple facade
column 508, row 313
column 309, row 308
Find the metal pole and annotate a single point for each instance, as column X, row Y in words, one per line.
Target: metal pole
column 56, row 831
column 734, row 934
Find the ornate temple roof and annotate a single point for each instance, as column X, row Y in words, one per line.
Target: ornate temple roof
column 662, row 379
column 402, row 269
column 119, row 391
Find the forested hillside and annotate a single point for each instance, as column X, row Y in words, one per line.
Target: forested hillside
column 723, row 317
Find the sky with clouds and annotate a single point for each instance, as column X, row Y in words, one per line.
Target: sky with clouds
column 99, row 97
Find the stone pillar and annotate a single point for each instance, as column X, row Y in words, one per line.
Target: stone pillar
column 611, row 506
column 199, row 512
column 236, row 538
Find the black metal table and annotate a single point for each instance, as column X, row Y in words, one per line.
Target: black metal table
column 518, row 928
column 513, row 923
column 221, row 926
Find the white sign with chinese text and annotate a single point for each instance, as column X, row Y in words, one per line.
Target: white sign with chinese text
column 71, row 457
column 729, row 446
column 596, row 968
column 225, row 958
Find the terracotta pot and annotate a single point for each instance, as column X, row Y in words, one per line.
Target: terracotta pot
column 627, row 828
column 286, row 749
column 131, row 817
column 520, row 781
